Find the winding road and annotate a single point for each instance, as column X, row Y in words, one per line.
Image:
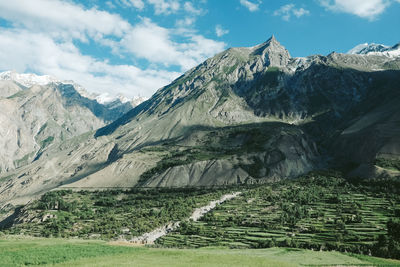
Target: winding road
column 150, row 237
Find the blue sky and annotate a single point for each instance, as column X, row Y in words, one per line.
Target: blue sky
column 133, row 47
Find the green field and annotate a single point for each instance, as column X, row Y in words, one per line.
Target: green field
column 74, row 252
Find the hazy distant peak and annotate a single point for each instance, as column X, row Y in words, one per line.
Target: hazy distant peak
column 375, row 49
column 29, row 79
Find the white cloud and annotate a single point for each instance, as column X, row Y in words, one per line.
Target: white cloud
column 219, row 31
column 165, row 7
column 185, row 22
column 250, row 5
column 188, row 7
column 288, row 10
column 137, row 4
column 44, row 42
column 300, row 12
column 110, row 4
column 62, row 19
column 154, row 43
column 368, row 9
column 23, row 51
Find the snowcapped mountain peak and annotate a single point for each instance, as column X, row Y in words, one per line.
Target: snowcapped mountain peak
column 106, row 99
column 28, row 79
column 376, row 49
column 357, row 49
column 366, row 48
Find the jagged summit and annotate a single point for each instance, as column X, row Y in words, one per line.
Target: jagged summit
column 272, row 52
column 272, row 41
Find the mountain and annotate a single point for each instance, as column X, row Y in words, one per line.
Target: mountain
column 247, row 115
column 376, row 49
column 38, row 111
column 119, row 104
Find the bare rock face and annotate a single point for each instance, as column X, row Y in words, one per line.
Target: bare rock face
column 272, row 53
column 34, row 118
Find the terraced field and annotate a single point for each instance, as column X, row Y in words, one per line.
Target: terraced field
column 316, row 212
column 108, row 214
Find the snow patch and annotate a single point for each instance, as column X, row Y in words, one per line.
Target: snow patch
column 376, row 49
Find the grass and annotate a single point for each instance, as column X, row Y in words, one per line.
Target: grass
column 63, row 252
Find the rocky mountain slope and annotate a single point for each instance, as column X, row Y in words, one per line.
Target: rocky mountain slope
column 38, row 111
column 117, row 105
column 247, row 115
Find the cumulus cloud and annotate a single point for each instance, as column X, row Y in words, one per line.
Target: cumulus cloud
column 219, row 31
column 25, row 51
column 368, row 9
column 150, row 41
column 62, row 19
column 250, row 5
column 45, row 43
column 286, row 11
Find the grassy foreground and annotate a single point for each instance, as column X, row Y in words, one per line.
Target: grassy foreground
column 74, row 252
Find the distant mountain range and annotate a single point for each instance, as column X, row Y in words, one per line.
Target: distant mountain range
column 376, row 49
column 248, row 115
column 39, row 111
column 29, row 79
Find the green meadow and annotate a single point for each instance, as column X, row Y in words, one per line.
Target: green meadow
column 16, row 251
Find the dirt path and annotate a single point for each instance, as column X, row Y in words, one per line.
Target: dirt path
column 150, row 237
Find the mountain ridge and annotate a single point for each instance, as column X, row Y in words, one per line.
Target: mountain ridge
column 247, row 115
column 29, row 79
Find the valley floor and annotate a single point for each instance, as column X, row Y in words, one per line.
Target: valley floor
column 311, row 219
column 18, row 251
